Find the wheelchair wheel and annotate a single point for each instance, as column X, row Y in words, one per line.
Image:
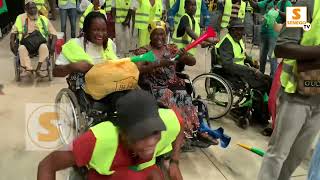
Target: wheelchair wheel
column 69, row 116
column 17, row 69
column 215, row 92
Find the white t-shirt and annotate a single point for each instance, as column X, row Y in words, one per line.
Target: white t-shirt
column 93, row 50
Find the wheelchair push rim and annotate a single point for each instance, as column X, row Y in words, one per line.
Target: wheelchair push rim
column 68, row 112
column 215, row 92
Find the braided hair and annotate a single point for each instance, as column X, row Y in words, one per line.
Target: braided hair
column 87, row 23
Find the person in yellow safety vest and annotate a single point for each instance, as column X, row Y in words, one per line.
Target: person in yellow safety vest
column 80, row 54
column 123, row 11
column 26, row 24
column 68, row 8
column 297, row 121
column 231, row 54
column 178, row 10
column 188, row 29
column 126, row 148
column 232, row 9
column 41, row 5
column 96, row 5
column 146, row 12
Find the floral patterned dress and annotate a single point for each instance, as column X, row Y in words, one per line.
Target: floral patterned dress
column 168, row 88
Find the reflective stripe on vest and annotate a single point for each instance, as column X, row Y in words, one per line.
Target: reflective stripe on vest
column 42, row 24
column 75, row 53
column 183, row 41
column 107, row 135
column 249, row 8
column 108, row 6
column 172, row 2
column 289, row 72
column 39, row 3
column 122, row 8
column 182, row 11
column 227, row 12
column 89, row 9
column 64, row 2
column 238, row 49
column 147, row 13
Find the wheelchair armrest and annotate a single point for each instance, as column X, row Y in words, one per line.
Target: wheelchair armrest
column 183, row 75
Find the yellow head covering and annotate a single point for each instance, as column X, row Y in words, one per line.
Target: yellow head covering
column 153, row 25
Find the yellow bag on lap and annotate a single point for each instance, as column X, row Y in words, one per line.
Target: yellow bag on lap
column 111, row 76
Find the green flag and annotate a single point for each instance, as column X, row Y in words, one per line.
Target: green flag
column 3, row 6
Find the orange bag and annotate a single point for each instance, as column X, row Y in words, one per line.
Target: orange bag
column 111, row 76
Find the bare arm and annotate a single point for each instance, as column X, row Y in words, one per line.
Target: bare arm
column 146, row 67
column 296, row 51
column 64, row 70
column 54, row 162
column 191, row 33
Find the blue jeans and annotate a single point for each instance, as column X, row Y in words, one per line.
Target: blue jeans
column 267, row 47
column 314, row 171
column 72, row 14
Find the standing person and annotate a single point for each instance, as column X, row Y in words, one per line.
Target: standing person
column 269, row 36
column 314, row 171
column 248, row 21
column 232, row 9
column 52, row 5
column 96, row 5
column 122, row 11
column 68, row 8
column 298, row 115
column 178, row 10
column 127, row 148
column 146, row 12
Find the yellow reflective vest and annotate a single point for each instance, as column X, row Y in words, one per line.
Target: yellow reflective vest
column 122, row 8
column 75, row 53
column 227, row 12
column 146, row 13
column 182, row 11
column 183, row 41
column 89, row 9
column 39, row 3
column 64, row 2
column 42, row 24
column 239, row 50
column 107, row 139
column 289, row 71
column 107, row 7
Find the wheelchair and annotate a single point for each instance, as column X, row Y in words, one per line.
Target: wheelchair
column 247, row 101
column 50, row 60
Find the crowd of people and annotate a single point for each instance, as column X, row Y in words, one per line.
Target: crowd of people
column 156, row 119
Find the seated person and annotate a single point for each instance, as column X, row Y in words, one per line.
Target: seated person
column 231, row 54
column 32, row 31
column 80, row 54
column 126, row 148
column 160, row 77
column 95, row 6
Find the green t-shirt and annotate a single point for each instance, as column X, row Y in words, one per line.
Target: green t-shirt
column 269, row 18
column 282, row 9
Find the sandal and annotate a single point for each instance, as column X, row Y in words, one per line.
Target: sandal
column 267, row 131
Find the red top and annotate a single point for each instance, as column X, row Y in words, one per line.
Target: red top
column 83, row 148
